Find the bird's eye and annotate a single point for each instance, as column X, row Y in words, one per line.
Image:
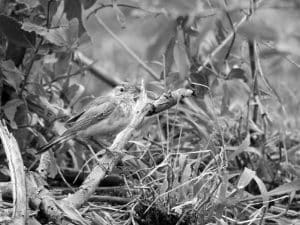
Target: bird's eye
column 121, row 89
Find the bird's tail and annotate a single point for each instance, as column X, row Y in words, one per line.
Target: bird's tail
column 63, row 138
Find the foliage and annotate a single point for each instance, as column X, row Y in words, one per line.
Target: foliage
column 229, row 154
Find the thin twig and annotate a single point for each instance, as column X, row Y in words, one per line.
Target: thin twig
column 77, row 72
column 102, row 6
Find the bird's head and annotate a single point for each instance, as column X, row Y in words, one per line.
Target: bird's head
column 126, row 90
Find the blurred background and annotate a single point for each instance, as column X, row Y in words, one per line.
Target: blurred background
column 146, row 28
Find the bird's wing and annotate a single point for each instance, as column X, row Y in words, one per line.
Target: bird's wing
column 91, row 116
column 96, row 102
column 54, row 142
column 97, row 110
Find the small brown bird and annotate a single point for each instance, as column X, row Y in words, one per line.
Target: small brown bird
column 105, row 116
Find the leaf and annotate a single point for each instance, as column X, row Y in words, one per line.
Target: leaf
column 281, row 190
column 12, row 75
column 21, row 116
column 286, row 188
column 65, row 35
column 10, row 109
column 262, row 188
column 72, row 8
column 219, row 30
column 54, row 9
column 15, row 53
column 30, row 27
column 169, row 56
column 11, row 28
column 180, row 56
column 245, row 178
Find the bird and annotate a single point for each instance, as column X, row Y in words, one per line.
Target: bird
column 105, row 116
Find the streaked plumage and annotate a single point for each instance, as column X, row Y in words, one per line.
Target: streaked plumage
column 105, row 116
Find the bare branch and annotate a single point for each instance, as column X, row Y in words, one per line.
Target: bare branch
column 16, row 167
column 97, row 71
